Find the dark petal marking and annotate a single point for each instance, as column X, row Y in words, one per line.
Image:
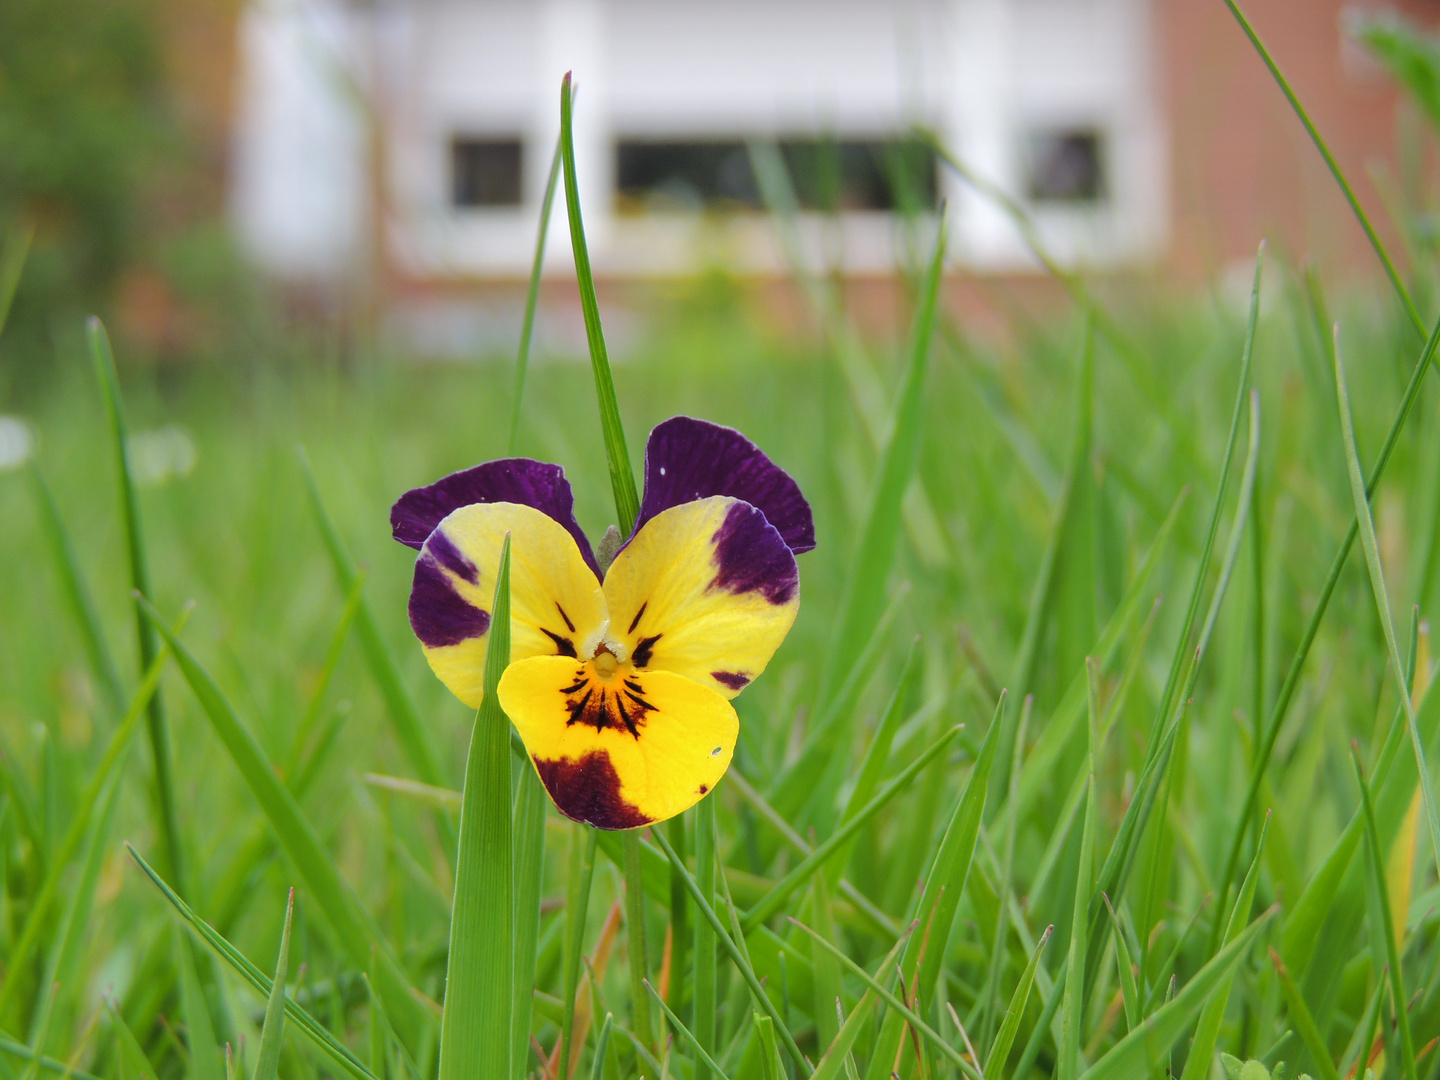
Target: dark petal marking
column 704, row 788
column 579, row 709
column 568, row 623
column 563, row 645
column 438, row 614
column 688, row 459
column 734, row 680
column 636, row 621
column 443, row 550
column 641, row 656
column 588, row 790
column 750, row 556
column 517, row 480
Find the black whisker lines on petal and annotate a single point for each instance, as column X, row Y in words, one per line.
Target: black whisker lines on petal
column 636, row 621
column 641, row 655
column 563, row 645
column 568, row 623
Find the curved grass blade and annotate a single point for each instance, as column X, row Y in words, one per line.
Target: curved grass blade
column 404, row 717
column 771, row 902
column 602, row 1044
column 617, row 453
column 476, row 1037
column 701, row 1053
column 42, row 1030
column 1015, row 1011
column 311, row 1028
column 1207, row 1030
column 167, row 821
column 1305, row 1022
column 205, row 1060
column 863, row 598
column 82, row 600
column 836, row 1058
column 133, row 1063
column 1133, row 1055
column 354, row 928
column 707, row 911
column 898, row 1007
column 272, row 1033
column 1331, row 164
column 1382, row 601
column 522, row 360
column 1398, row 999
column 54, row 1065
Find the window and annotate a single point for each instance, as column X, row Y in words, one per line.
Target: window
column 826, row 174
column 485, row 172
column 1067, row 166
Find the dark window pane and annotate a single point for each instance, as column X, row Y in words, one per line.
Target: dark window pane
column 485, row 172
column 1067, row 166
column 827, row 174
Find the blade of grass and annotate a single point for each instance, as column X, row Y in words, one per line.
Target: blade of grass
column 635, row 937
column 578, row 879
column 705, row 989
column 65, row 1069
column 742, row 964
column 311, row 1028
column 702, row 1055
column 205, row 1060
column 602, row 1044
column 836, row 1059
column 1129, row 991
column 863, row 598
column 167, row 821
column 532, row 296
column 12, row 264
column 134, row 1064
column 1073, row 1008
column 404, row 717
column 77, row 591
column 355, row 930
column 529, row 849
column 272, row 1032
column 42, row 1026
column 1398, row 998
column 771, row 902
column 617, row 453
column 1207, row 1030
column 1331, row 164
column 1132, row 1056
column 476, row 1036
column 1382, row 599
column 1007, row 868
column 1015, row 1012
column 770, row 1060
column 1302, row 1019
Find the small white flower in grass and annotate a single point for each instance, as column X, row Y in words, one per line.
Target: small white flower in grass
column 159, row 456
column 17, row 442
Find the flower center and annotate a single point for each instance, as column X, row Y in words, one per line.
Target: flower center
column 606, row 663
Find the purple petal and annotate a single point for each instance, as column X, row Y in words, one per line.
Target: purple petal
column 750, row 556
column 688, row 459
column 516, row 480
column 439, row 615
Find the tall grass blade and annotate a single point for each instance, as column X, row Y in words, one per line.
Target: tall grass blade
column 532, row 296
column 1331, row 164
column 529, row 879
column 42, row 1033
column 1015, row 1012
column 12, row 265
column 206, row 1062
column 705, row 991
column 167, row 822
column 1382, row 601
column 1124, row 959
column 617, row 453
column 66, row 1070
column 1398, row 998
column 272, row 1032
column 1133, row 1055
column 334, row 895
column 836, row 1059
column 864, row 595
column 635, row 937
column 1073, row 1008
column 1207, row 1030
column 476, row 1039
column 311, row 1028
column 1301, row 1017
column 404, row 717
column 703, row 1058
column 134, row 1064
column 77, row 591
column 579, row 875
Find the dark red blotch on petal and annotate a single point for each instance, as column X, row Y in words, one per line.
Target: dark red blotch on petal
column 516, row 480
column 588, row 789
column 438, row 614
column 688, row 459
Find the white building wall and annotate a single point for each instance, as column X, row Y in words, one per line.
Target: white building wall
column 982, row 73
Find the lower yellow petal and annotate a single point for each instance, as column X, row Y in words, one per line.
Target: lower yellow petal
column 617, row 748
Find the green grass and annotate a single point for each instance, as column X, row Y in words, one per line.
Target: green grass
column 909, row 870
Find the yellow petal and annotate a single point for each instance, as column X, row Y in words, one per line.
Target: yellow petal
column 619, row 750
column 708, row 590
column 556, row 604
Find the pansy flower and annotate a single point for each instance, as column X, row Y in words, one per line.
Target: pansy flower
column 619, row 680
